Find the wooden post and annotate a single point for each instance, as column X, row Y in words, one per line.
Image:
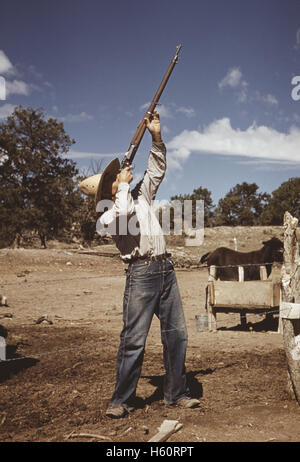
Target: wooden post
column 3, row 300
column 263, row 277
column 212, row 315
column 290, row 303
column 243, row 316
column 241, row 274
column 212, row 273
column 235, row 244
column 263, row 273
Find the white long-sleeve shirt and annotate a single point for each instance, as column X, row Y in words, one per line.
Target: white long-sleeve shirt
column 131, row 220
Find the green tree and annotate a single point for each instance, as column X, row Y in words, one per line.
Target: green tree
column 86, row 215
column 199, row 194
column 37, row 186
column 242, row 206
column 285, row 198
column 85, row 218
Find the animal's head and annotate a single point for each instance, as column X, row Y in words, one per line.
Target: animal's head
column 276, row 247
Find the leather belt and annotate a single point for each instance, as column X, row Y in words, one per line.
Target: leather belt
column 149, row 258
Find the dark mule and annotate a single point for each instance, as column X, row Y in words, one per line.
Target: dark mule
column 270, row 252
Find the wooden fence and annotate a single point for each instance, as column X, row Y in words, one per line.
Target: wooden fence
column 290, row 302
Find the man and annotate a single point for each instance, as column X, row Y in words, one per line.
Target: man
column 151, row 286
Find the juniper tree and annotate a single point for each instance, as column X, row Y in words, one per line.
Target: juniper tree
column 37, row 184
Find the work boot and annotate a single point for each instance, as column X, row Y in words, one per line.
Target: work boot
column 116, row 412
column 188, row 403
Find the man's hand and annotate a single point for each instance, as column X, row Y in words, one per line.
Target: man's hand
column 154, row 127
column 125, row 175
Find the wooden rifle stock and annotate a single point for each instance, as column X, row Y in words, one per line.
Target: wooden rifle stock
column 137, row 138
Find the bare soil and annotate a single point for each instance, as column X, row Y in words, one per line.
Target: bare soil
column 61, row 374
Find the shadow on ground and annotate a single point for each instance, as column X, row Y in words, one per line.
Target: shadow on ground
column 14, row 363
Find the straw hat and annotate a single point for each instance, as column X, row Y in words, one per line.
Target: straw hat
column 93, row 185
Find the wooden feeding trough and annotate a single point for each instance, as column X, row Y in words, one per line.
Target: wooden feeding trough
column 241, row 296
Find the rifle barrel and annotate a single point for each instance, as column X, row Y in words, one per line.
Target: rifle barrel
column 137, row 138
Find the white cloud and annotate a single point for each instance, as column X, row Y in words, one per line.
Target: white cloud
column 163, row 110
column 6, row 110
column 144, row 106
column 242, row 95
column 271, row 165
column 76, row 117
column 233, row 79
column 173, row 163
column 32, row 69
column 48, row 84
column 17, row 87
column 270, row 99
column 220, row 138
column 188, row 111
column 6, row 66
column 167, row 112
column 2, row 88
column 268, row 162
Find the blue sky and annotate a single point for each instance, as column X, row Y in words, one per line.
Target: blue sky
column 227, row 112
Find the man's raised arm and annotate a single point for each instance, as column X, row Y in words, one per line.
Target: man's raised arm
column 156, row 163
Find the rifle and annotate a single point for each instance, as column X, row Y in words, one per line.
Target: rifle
column 92, row 185
column 137, row 138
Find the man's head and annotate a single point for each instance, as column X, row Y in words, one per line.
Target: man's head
column 112, row 180
column 105, row 185
column 102, row 185
column 110, row 186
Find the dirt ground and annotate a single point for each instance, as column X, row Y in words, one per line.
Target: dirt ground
column 61, row 373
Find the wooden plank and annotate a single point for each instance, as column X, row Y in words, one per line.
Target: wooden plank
column 212, row 317
column 290, row 310
column 212, row 273
column 243, row 317
column 290, row 285
column 263, row 273
column 249, row 293
column 241, row 273
column 249, row 308
column 276, row 293
column 167, row 428
column 211, row 291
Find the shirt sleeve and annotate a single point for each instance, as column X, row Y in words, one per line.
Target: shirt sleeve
column 154, row 174
column 123, row 206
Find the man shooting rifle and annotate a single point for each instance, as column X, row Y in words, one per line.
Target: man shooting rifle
column 151, row 285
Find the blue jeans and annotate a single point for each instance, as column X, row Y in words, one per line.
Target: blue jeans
column 151, row 288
